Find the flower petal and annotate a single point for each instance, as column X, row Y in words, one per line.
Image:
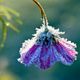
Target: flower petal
column 26, row 57
column 65, row 58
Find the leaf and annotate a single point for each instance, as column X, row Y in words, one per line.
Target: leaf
column 4, row 32
column 5, row 13
column 8, row 24
column 12, row 11
column 4, row 35
column 18, row 21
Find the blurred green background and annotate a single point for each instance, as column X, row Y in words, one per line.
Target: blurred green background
column 63, row 14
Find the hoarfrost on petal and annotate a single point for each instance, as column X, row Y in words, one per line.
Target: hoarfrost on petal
column 54, row 31
column 27, row 45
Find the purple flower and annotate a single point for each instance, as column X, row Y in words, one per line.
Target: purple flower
column 46, row 48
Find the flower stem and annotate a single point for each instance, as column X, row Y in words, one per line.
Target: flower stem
column 42, row 12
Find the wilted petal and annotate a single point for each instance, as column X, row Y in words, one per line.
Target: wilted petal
column 46, row 58
column 26, row 57
column 69, row 46
column 43, row 57
column 64, row 54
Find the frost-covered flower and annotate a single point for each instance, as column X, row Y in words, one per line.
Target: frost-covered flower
column 47, row 47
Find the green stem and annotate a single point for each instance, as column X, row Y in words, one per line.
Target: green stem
column 4, row 32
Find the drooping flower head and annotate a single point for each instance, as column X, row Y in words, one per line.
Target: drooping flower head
column 47, row 47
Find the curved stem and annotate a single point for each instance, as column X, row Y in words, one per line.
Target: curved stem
column 42, row 12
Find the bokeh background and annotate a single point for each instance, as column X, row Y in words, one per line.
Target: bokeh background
column 63, row 14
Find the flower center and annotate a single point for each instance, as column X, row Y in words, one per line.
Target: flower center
column 46, row 39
